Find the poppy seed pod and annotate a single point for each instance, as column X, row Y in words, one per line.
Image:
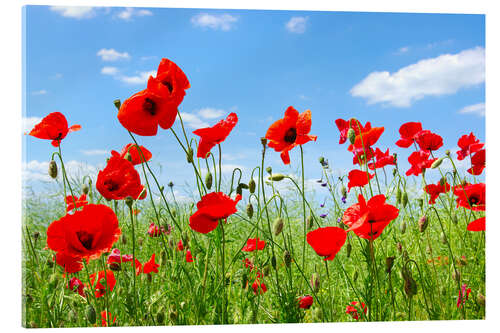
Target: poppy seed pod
column 269, row 170
column 208, row 180
column 273, row 262
column 315, row 282
column 404, row 199
column 423, row 222
column 174, row 212
column 263, row 141
column 244, row 280
column 398, row 196
column 172, row 314
column 437, row 163
column 351, row 134
column 402, row 227
column 189, row 155
column 265, row 271
column 389, row 262
column 348, row 250
column 277, row 177
column 321, row 160
column 250, row 210
column 90, row 314
column 53, row 169
column 481, row 299
column 160, row 316
column 117, row 103
column 278, row 226
column 162, row 188
column 129, row 201
column 287, row 257
column 251, row 185
column 447, row 152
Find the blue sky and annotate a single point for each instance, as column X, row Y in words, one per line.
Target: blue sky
column 387, row 68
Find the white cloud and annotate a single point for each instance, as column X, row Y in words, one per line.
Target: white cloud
column 443, row 75
column 297, row 24
column 92, row 152
column 38, row 171
column 403, row 49
column 74, row 12
column 108, row 70
column 112, row 55
column 224, row 22
column 197, row 118
column 140, row 78
column 128, row 13
column 211, row 113
column 29, row 123
column 39, row 92
column 193, row 121
column 478, row 109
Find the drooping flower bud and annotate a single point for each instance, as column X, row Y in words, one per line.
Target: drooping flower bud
column 481, row 299
column 389, row 262
column 90, row 313
column 398, row 196
column 243, row 186
column 265, row 271
column 129, row 201
column 321, row 160
column 189, row 155
column 351, row 134
column 251, row 185
column 287, row 257
column 402, row 227
column 355, row 276
column 239, row 190
column 309, row 222
column 208, row 180
column 263, row 141
column 277, row 177
column 315, row 282
column 128, row 157
column 404, row 199
column 410, row 286
column 244, row 280
column 420, row 202
column 273, row 262
column 160, row 316
column 278, row 226
column 447, row 152
column 423, row 222
column 85, row 189
column 454, row 218
column 53, row 169
column 348, row 249
column 437, row 163
column 172, row 314
column 269, row 170
column 117, row 103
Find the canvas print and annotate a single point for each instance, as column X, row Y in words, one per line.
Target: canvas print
column 203, row 167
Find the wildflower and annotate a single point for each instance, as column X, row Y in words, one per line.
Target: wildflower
column 344, row 199
column 74, row 202
column 471, row 196
column 362, row 156
column 135, row 155
column 155, row 231
column 170, row 82
column 70, row 263
column 352, row 309
column 150, row 266
column 434, row 190
column 382, row 159
column 477, row 225
column 259, row 287
column 115, row 259
column 354, row 124
column 248, row 263
column 189, row 257
column 408, row 132
column 85, row 233
column 468, row 145
column 419, row 161
column 463, row 295
column 366, row 139
column 137, row 266
column 211, row 136
column 289, row 132
column 327, row 241
column 53, row 127
column 119, row 179
column 254, row 244
column 76, row 285
column 323, row 215
column 358, row 178
column 104, row 318
column 305, row 302
column 369, row 219
column 429, row 141
column 478, row 163
column 211, row 208
column 180, row 246
column 109, row 280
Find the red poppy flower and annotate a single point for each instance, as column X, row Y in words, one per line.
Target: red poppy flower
column 468, row 145
column 85, row 233
column 353, row 311
column 434, row 190
column 73, row 201
column 71, row 264
column 104, row 318
column 254, row 244
column 366, row 139
column 358, row 178
column 248, row 263
column 478, row 161
column 189, row 256
column 155, row 231
column 118, row 180
column 382, row 159
column 344, row 125
column 408, row 132
column 138, row 267
column 180, row 246
column 369, row 219
column 419, row 161
column 477, row 225
column 135, row 154
column 115, row 259
column 150, row 266
column 327, row 241
column 103, row 283
column 305, row 302
column 211, row 136
column 289, row 132
column 463, row 295
column 211, row 208
column 429, row 141
column 53, row 127
column 170, row 82
column 76, row 285
column 475, row 193
column 259, row 287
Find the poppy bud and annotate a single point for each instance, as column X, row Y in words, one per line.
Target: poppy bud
column 278, row 226
column 437, row 163
column 85, row 189
column 36, row 235
column 243, row 186
column 117, row 103
column 249, row 210
column 420, row 202
column 389, row 262
column 263, row 140
column 287, row 257
column 172, row 314
column 244, row 280
column 464, row 182
column 174, row 212
column 443, row 238
column 149, row 277
column 53, row 169
column 456, row 275
column 189, row 155
column 160, row 316
column 321, row 160
column 447, row 152
column 481, row 299
column 348, row 250
column 355, row 276
column 128, row 157
column 124, row 239
column 462, row 261
column 309, row 222
column 266, row 270
column 277, row 177
column 208, row 180
column 315, row 282
column 269, row 170
column 402, row 227
column 423, row 222
column 129, row 201
column 239, row 190
column 404, row 199
column 115, row 266
column 399, row 246
column 454, row 218
column 251, row 185
column 90, row 313
column 394, row 171
column 410, row 286
column 351, row 135
column 398, row 196
column 273, row 262
column 343, row 191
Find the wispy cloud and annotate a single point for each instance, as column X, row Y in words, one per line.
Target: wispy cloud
column 30, row 122
column 139, row 78
column 128, row 13
column 108, row 70
column 74, row 11
column 39, row 92
column 211, row 113
column 112, row 55
column 443, row 75
column 403, row 50
column 224, row 22
column 196, row 119
column 477, row 109
column 93, row 152
column 297, row 24
column 193, row 120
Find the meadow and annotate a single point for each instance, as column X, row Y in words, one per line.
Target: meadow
column 120, row 250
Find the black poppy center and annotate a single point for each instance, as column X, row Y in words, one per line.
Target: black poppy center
column 111, row 185
column 85, row 238
column 291, row 135
column 168, row 85
column 473, row 200
column 149, row 106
